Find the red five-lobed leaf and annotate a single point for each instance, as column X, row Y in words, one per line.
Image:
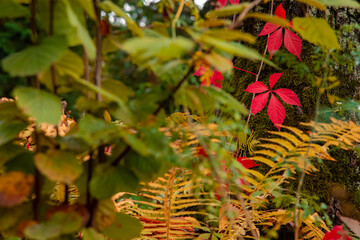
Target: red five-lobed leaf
column 259, row 102
column 288, row 96
column 274, row 42
column 217, row 79
column 273, row 79
column 276, row 112
column 222, row 2
column 256, row 87
column 234, row 2
column 292, row 43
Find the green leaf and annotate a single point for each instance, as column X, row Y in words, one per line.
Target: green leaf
column 43, row 106
column 161, row 48
column 88, row 7
column 69, row 221
column 231, row 35
column 109, row 6
column 70, row 63
column 12, row 9
column 95, row 131
column 10, row 130
column 124, row 228
column 227, row 11
column 53, row 165
column 9, row 151
column 91, row 234
column 117, row 88
column 226, row 99
column 317, row 31
column 267, row 18
column 314, row 3
column 43, row 231
column 116, row 180
column 59, row 223
column 340, row 3
column 81, row 31
column 35, row 59
column 236, row 49
column 23, row 162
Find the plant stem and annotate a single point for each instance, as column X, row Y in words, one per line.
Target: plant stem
column 176, row 18
column 243, row 14
column 98, row 61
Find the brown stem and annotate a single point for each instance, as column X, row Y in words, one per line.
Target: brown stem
column 243, row 14
column 98, row 61
column 33, row 25
column 36, row 202
column 89, row 202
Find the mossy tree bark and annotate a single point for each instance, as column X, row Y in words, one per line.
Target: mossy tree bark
column 299, row 77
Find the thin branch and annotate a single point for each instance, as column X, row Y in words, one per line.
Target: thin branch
column 51, row 33
column 261, row 64
column 176, row 18
column 98, row 62
column 33, row 24
column 243, row 14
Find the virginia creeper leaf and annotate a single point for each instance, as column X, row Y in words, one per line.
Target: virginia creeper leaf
column 273, row 79
column 233, row 2
column 217, row 79
column 288, row 96
column 268, row 28
column 200, row 71
column 256, row 87
column 274, row 42
column 292, row 43
column 222, row 2
column 246, row 162
column 280, row 11
column 259, row 102
column 276, row 112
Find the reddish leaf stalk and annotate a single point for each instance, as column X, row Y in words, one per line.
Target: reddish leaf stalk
column 245, row 70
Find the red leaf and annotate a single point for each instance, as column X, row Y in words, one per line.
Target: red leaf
column 217, row 79
column 104, row 28
column 234, row 2
column 259, row 102
column 274, row 42
column 200, row 71
column 222, row 2
column 276, row 112
column 292, row 43
column 256, row 87
column 288, row 96
column 337, row 233
column 280, row 11
column 273, row 79
column 247, row 162
column 268, row 28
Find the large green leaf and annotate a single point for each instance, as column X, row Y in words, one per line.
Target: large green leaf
column 340, row 3
column 116, row 180
column 59, row 223
column 117, row 88
column 88, row 7
column 12, row 9
column 227, row 11
column 226, row 99
column 109, row 6
column 59, row 166
column 35, row 59
column 10, row 130
column 233, row 48
column 70, row 63
column 161, row 48
column 317, row 31
column 43, row 106
column 82, row 32
column 91, row 234
column 123, row 228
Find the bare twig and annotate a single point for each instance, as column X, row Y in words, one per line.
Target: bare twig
column 98, row 61
column 243, row 14
column 176, row 18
